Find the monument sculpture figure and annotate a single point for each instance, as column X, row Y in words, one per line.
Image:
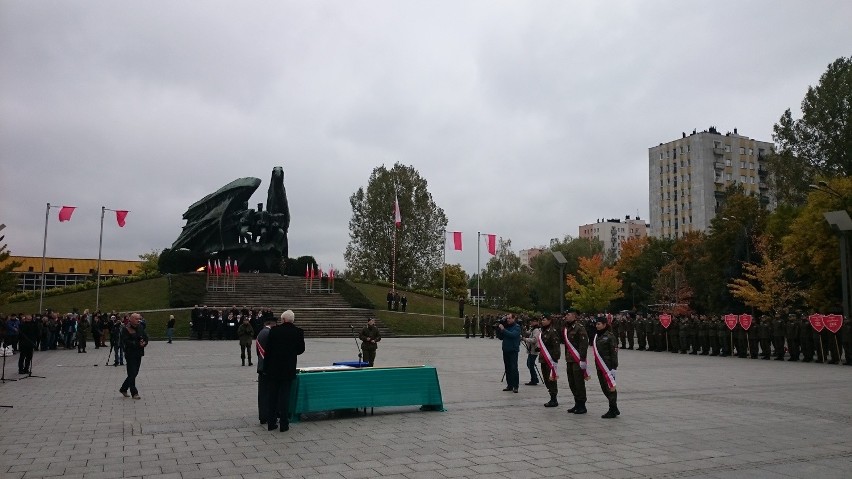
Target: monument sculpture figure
column 221, row 225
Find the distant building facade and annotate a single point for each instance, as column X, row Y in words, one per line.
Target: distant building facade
column 688, row 177
column 613, row 232
column 526, row 255
column 60, row 272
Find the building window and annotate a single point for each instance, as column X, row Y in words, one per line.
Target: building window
column 742, row 150
column 750, row 165
column 751, row 179
column 661, row 155
column 30, row 269
column 742, row 179
column 742, row 165
column 751, row 152
column 674, row 154
column 727, row 176
column 688, row 149
column 727, row 148
column 728, row 162
column 110, row 272
column 70, row 270
column 50, row 270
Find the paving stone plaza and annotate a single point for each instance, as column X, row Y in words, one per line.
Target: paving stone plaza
column 682, row 416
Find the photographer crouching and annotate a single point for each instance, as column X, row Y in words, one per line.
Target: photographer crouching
column 510, row 333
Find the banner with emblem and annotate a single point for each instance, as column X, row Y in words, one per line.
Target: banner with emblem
column 816, row 321
column 745, row 321
column 833, row 322
column 731, row 321
column 666, row 320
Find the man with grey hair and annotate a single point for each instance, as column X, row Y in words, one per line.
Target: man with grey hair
column 284, row 344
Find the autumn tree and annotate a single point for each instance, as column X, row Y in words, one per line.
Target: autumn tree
column 594, row 286
column 545, row 279
column 672, row 291
column 419, row 242
column 765, row 285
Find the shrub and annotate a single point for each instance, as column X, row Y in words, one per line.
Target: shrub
column 187, row 290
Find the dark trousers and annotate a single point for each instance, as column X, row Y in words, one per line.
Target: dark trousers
column 133, row 365
column 263, row 397
column 576, row 382
column 25, row 359
column 531, row 366
column 510, row 367
column 552, row 386
column 611, row 396
column 279, row 400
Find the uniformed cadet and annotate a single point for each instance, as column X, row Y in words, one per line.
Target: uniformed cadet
column 370, row 338
column 473, row 322
column 846, row 340
column 830, row 342
column 806, row 339
column 778, row 330
column 674, row 335
column 704, row 335
column 481, row 326
column 576, row 333
column 641, row 338
column 619, row 330
column 551, row 340
column 764, row 335
column 753, row 339
column 630, row 324
column 606, row 347
column 467, row 327
column 741, row 338
column 659, row 335
column 683, row 334
column 791, row 332
column 245, row 333
column 723, row 335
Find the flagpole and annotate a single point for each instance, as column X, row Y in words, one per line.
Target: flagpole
column 478, row 273
column 100, row 248
column 444, row 286
column 43, row 256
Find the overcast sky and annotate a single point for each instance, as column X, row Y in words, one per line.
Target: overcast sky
column 526, row 118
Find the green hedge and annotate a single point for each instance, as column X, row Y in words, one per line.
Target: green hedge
column 187, row 290
column 352, row 295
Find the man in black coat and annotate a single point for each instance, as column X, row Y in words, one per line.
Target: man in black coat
column 284, row 343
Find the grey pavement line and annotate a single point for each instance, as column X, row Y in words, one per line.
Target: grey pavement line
column 791, row 460
column 797, row 410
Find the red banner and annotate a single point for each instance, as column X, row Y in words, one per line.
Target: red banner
column 120, row 217
column 731, row 321
column 816, row 320
column 65, row 213
column 666, row 320
column 457, row 240
column 492, row 244
column 833, row 322
column 745, row 321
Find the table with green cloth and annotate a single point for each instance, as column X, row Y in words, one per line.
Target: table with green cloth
column 329, row 389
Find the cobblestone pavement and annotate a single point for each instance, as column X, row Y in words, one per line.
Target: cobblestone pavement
column 682, row 416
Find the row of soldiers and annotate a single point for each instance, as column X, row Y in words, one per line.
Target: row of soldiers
column 223, row 323
column 710, row 336
column 485, row 324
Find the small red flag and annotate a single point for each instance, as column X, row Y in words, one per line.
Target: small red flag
column 457, row 240
column 492, row 244
column 209, row 267
column 236, row 269
column 65, row 213
column 120, row 215
column 227, row 266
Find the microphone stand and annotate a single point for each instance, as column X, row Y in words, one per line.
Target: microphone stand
column 357, row 345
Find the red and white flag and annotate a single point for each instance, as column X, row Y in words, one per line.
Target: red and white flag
column 397, row 215
column 228, row 267
column 457, row 240
column 236, row 269
column 209, row 267
column 65, row 213
column 307, row 272
column 218, row 268
column 492, row 244
column 120, row 216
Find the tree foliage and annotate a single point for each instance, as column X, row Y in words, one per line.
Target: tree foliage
column 594, row 286
column 150, row 263
column 419, row 240
column 765, row 284
column 456, row 280
column 545, row 280
column 505, row 281
column 672, row 291
column 819, row 144
column 8, row 280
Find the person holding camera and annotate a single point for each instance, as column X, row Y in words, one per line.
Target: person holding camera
column 531, row 343
column 509, row 332
column 133, row 341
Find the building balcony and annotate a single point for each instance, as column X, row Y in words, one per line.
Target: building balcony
column 718, row 151
column 763, row 186
column 719, row 165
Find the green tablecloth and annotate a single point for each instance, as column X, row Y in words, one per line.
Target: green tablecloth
column 365, row 387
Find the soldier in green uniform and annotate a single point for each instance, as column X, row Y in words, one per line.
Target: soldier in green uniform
column 551, row 340
column 641, row 337
column 481, row 326
column 630, row 328
column 619, row 329
column 370, row 338
column 846, row 341
column 82, row 331
column 764, row 335
column 467, row 327
column 704, row 335
column 659, row 335
column 724, row 337
column 576, row 333
column 683, row 334
column 753, row 340
column 791, row 332
column 741, row 340
column 606, row 347
column 244, row 334
column 473, row 322
column 778, row 330
column 674, row 335
column 806, row 340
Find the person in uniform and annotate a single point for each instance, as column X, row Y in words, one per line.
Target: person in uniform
column 389, row 299
column 791, row 332
column 764, row 335
column 26, row 343
column 473, row 322
column 741, row 337
column 846, row 341
column 630, row 327
column 244, row 334
column 683, row 334
column 831, row 343
column 467, row 327
column 481, row 326
column 778, row 329
column 551, row 341
column 674, row 335
column 806, row 339
column 692, row 335
column 606, row 347
column 641, row 338
column 370, row 338
column 530, row 341
column 619, row 330
column 283, row 346
column 724, row 336
column 576, row 334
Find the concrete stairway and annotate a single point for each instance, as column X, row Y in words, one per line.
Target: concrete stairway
column 319, row 314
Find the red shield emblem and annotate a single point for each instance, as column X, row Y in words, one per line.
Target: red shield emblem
column 666, row 320
column 833, row 322
column 745, row 321
column 609, row 318
column 816, row 320
column 731, row 321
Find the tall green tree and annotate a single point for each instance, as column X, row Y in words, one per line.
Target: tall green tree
column 765, row 283
column 819, row 144
column 150, row 263
column 8, row 280
column 545, row 280
column 456, row 280
column 505, row 281
column 419, row 240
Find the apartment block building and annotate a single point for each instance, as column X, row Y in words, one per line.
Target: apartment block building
column 613, row 232
column 688, row 178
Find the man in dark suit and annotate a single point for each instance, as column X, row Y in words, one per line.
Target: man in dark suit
column 284, row 343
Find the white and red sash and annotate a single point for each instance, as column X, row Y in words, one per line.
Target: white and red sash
column 547, row 358
column 572, row 351
column 601, row 365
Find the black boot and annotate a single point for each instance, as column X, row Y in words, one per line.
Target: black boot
column 552, row 402
column 581, row 408
column 573, row 408
column 609, row 414
column 244, row 361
